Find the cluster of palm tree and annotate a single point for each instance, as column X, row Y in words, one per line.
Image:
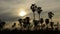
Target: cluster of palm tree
column 26, row 22
column 34, row 8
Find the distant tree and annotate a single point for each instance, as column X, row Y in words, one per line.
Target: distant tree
column 27, row 21
column 41, row 21
column 35, row 24
column 51, row 24
column 14, row 25
column 50, row 15
column 33, row 8
column 2, row 24
column 24, row 23
column 20, row 21
column 47, row 22
column 57, row 26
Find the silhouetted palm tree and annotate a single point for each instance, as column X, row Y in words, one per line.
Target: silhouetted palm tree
column 33, row 8
column 24, row 23
column 41, row 21
column 39, row 10
column 35, row 24
column 47, row 22
column 27, row 21
column 50, row 15
column 51, row 24
column 20, row 21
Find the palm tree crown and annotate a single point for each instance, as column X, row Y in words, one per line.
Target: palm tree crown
column 50, row 15
column 33, row 7
column 39, row 10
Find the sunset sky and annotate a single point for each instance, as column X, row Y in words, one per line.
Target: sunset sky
column 10, row 9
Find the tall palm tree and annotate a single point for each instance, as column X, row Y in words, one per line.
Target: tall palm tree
column 39, row 10
column 33, row 8
column 50, row 15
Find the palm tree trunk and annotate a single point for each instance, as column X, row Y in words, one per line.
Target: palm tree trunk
column 34, row 15
column 39, row 16
column 51, row 19
column 39, row 21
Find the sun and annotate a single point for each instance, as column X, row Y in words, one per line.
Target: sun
column 22, row 13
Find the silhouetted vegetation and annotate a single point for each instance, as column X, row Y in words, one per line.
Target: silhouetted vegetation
column 25, row 23
column 39, row 10
column 50, row 15
column 33, row 8
column 20, row 22
column 14, row 25
column 1, row 24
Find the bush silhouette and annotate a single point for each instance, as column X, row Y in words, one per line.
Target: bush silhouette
column 51, row 24
column 20, row 21
column 46, row 21
column 41, row 20
column 14, row 25
column 1, row 24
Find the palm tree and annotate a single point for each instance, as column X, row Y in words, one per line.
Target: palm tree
column 20, row 21
column 51, row 24
column 41, row 21
column 35, row 24
column 33, row 8
column 24, row 23
column 39, row 10
column 57, row 26
column 47, row 22
column 27, row 21
column 50, row 15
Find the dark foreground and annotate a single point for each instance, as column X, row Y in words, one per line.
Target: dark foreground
column 28, row 31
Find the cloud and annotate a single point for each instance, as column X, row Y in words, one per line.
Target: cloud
column 9, row 8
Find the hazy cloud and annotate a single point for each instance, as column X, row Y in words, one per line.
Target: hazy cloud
column 9, row 8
